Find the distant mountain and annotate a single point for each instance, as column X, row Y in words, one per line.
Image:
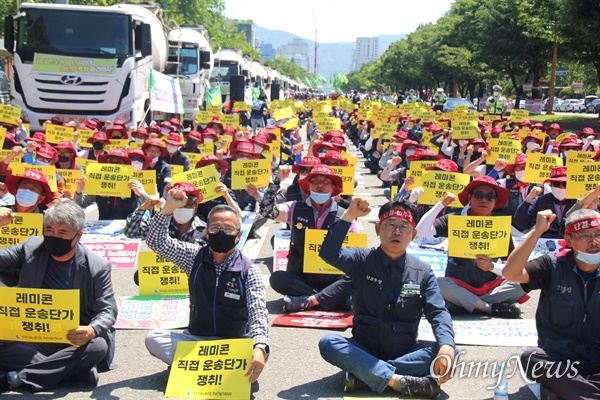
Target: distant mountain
column 332, row 57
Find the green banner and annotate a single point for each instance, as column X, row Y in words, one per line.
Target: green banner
column 74, row 65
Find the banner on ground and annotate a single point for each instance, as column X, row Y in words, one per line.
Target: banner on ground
column 281, row 248
column 38, row 315
column 315, row 319
column 150, row 312
column 211, row 369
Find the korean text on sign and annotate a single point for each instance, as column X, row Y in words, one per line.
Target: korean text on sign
column 538, row 167
column 38, row 315
column 158, row 276
column 255, row 172
column 469, row 236
column 205, row 179
column 108, row 179
column 211, row 369
column 582, row 179
column 23, row 225
column 313, row 264
column 436, row 183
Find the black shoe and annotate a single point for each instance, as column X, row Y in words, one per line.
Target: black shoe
column 351, row 383
column 415, row 387
column 455, row 309
column 4, row 381
column 506, row 310
column 89, row 377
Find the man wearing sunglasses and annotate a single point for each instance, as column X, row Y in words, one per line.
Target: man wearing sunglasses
column 524, row 218
column 474, row 284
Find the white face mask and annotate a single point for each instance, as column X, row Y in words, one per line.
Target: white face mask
column 137, row 165
column 183, row 215
column 208, row 140
column 463, row 142
column 530, row 145
column 410, row 152
column 496, row 94
column 559, row 193
column 139, row 140
column 588, row 258
column 171, row 148
column 258, row 148
column 242, row 158
column 154, row 160
column 26, row 197
column 165, row 131
column 520, row 175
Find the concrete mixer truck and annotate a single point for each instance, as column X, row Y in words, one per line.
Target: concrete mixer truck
column 79, row 62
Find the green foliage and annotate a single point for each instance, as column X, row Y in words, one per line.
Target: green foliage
column 288, row 68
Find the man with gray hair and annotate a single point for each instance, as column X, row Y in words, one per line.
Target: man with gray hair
column 235, row 306
column 58, row 261
column 567, row 360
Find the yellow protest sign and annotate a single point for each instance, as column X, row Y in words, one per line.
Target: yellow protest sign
column 562, row 137
column 538, row 167
column 469, row 236
column 116, row 144
column 108, row 179
column 2, row 136
column 205, row 148
column 291, row 124
column 330, row 124
column 48, row 170
column 274, row 148
column 578, row 157
column 195, row 157
column 205, row 179
column 241, row 106
column 84, row 162
column 416, row 170
column 347, row 175
column 84, row 135
column 506, row 149
column 9, row 114
column 386, row 131
column 211, row 369
column 582, row 178
column 14, row 161
column 394, row 189
column 232, row 120
column 38, row 315
column 158, row 276
column 176, row 169
column 256, row 172
column 21, row 227
column 313, row 238
column 436, row 183
column 56, row 133
column 352, row 160
column 214, row 110
column 519, row 115
column 203, row 117
column 364, row 114
column 464, row 129
column 148, row 180
column 283, row 113
column 70, row 176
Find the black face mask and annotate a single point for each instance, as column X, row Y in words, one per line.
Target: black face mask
column 98, row 145
column 64, row 159
column 221, row 242
column 58, row 247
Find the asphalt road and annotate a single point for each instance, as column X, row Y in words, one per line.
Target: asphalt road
column 295, row 369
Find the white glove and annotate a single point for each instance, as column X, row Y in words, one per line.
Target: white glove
column 415, row 194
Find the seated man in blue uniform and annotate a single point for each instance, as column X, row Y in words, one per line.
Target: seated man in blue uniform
column 567, row 360
column 391, row 290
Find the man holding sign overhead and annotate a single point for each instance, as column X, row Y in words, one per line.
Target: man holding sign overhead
column 391, row 290
column 60, row 262
column 473, row 281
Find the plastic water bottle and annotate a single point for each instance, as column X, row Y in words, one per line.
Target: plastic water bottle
column 501, row 390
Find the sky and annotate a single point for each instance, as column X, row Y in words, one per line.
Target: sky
column 338, row 20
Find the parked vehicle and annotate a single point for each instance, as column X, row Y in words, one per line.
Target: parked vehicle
column 4, row 85
column 557, row 104
column 579, row 107
column 591, row 106
column 452, row 102
column 567, row 105
column 66, row 68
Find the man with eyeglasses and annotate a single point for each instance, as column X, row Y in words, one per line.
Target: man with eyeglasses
column 305, row 290
column 233, row 308
column 475, row 284
column 556, row 201
column 391, row 290
column 566, row 361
